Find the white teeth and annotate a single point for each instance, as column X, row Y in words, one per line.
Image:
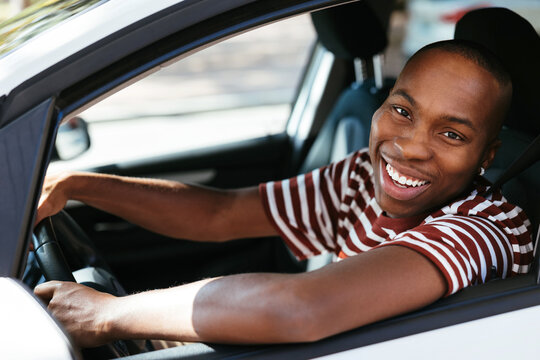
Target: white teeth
column 403, row 180
column 389, row 170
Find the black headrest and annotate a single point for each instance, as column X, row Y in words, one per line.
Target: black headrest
column 355, row 30
column 516, row 43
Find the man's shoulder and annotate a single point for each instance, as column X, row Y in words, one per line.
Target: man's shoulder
column 351, row 165
column 362, row 155
column 359, row 158
column 493, row 206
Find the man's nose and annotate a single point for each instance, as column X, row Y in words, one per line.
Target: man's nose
column 414, row 145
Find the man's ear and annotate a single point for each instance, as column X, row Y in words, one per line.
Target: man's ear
column 490, row 152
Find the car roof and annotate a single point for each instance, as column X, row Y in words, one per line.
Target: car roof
column 71, row 36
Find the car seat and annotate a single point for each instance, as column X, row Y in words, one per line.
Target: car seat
column 514, row 40
column 354, row 32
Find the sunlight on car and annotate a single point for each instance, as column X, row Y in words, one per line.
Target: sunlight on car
column 37, row 18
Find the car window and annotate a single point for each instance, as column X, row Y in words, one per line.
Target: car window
column 241, row 88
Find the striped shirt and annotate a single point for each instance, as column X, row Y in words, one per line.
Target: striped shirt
column 333, row 209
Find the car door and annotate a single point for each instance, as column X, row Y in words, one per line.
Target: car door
column 217, row 118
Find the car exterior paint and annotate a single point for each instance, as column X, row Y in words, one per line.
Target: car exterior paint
column 71, row 36
column 26, row 330
column 473, row 339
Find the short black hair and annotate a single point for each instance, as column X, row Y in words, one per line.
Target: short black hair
column 474, row 52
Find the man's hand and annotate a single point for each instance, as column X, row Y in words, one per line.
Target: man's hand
column 54, row 196
column 81, row 310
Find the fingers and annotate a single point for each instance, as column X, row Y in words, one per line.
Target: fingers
column 44, row 210
column 53, row 198
column 46, row 290
column 79, row 309
column 40, row 214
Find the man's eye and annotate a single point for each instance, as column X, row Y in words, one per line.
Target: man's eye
column 452, row 135
column 402, row 112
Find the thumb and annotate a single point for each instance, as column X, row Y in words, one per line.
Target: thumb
column 46, row 290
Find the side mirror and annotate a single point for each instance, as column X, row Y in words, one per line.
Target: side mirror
column 72, row 139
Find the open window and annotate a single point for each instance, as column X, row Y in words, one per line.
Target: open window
column 240, row 89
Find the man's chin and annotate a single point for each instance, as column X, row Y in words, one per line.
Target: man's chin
column 400, row 209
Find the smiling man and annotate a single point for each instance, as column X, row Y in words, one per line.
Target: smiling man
column 438, row 127
column 405, row 219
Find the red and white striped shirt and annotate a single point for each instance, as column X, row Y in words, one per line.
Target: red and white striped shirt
column 333, row 209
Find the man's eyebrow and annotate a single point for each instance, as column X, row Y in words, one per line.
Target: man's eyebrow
column 461, row 121
column 404, row 94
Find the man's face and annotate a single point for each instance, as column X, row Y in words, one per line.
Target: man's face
column 433, row 133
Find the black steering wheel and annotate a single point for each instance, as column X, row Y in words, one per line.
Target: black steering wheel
column 64, row 252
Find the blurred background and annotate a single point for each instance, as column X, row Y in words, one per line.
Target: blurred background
column 12, row 7
column 241, row 88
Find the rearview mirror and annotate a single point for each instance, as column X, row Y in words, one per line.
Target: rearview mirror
column 72, row 139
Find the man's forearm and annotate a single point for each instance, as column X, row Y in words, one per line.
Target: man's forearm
column 166, row 207
column 279, row 308
column 249, row 308
column 171, row 208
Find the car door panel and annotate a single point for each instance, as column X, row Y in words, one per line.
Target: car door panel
column 22, row 143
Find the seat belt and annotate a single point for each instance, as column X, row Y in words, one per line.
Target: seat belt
column 530, row 156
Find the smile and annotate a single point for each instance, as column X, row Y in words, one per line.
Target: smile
column 400, row 186
column 403, row 180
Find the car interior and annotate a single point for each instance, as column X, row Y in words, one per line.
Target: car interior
column 356, row 34
column 521, row 127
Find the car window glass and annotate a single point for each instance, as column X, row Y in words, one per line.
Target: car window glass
column 239, row 89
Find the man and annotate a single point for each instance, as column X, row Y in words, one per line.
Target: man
column 405, row 219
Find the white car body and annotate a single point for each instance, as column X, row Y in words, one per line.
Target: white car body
column 60, row 42
column 26, row 330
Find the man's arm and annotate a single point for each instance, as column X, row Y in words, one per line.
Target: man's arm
column 166, row 207
column 255, row 308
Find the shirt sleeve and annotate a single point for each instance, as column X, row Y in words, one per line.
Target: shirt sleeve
column 304, row 209
column 467, row 250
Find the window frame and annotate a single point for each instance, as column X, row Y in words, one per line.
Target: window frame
column 301, row 84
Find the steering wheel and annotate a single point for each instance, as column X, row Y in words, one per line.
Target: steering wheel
column 60, row 235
